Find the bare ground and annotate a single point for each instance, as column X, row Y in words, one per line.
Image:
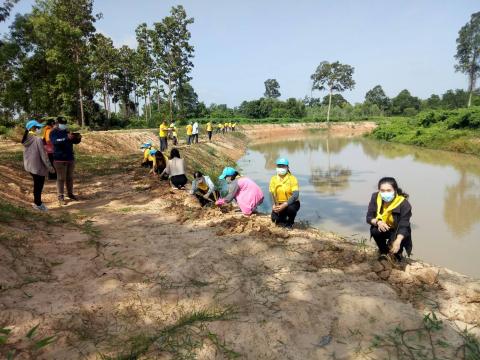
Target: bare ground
column 136, row 270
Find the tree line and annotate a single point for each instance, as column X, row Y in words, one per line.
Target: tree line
column 53, row 61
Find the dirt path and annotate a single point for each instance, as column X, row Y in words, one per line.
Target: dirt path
column 136, row 270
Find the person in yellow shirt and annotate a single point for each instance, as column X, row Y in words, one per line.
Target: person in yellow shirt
column 163, row 131
column 159, row 163
column 285, row 194
column 233, row 126
column 189, row 129
column 219, row 127
column 209, row 130
column 225, row 128
column 147, row 158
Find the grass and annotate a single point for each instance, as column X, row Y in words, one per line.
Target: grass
column 181, row 339
column 444, row 130
column 426, row 342
column 100, row 165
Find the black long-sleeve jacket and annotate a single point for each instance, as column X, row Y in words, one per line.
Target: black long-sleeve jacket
column 401, row 217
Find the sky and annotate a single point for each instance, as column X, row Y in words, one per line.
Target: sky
column 408, row 44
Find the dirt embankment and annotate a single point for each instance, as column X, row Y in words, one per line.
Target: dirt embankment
column 136, row 270
column 274, row 132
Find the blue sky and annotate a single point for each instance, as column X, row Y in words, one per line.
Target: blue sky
column 239, row 44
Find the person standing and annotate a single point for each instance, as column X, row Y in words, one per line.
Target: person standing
column 35, row 161
column 162, row 134
column 64, row 158
column 285, row 194
column 173, row 129
column 209, row 130
column 49, row 146
column 189, row 129
column 388, row 215
column 195, row 132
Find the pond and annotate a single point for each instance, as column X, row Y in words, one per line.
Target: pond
column 337, row 176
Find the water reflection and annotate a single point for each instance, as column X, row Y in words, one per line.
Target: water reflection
column 337, row 176
column 462, row 205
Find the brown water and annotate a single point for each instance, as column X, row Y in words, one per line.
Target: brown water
column 338, row 175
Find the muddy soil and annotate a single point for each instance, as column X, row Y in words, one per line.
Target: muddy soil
column 138, row 270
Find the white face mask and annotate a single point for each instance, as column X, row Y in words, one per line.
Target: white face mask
column 62, row 126
column 282, row 171
column 38, row 131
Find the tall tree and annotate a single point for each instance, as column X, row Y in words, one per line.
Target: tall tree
column 6, row 8
column 103, row 60
column 468, row 52
column 334, row 77
column 272, row 89
column 64, row 29
column 124, row 80
column 378, row 97
column 172, row 51
column 144, row 65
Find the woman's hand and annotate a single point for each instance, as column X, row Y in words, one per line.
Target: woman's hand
column 395, row 246
column 279, row 208
column 382, row 226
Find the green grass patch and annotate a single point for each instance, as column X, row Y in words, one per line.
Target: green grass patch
column 182, row 339
column 452, row 130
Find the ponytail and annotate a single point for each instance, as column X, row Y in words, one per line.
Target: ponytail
column 25, row 135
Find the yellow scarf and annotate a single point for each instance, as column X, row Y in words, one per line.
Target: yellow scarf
column 387, row 216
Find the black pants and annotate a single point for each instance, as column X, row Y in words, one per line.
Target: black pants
column 189, row 139
column 38, row 182
column 287, row 216
column 204, row 201
column 209, row 135
column 147, row 164
column 163, row 143
column 179, row 181
column 50, row 175
column 383, row 240
column 195, row 138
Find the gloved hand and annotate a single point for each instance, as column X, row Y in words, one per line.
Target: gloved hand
column 220, row 202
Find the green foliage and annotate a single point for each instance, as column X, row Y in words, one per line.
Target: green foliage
column 376, row 96
column 264, row 108
column 28, row 346
column 455, row 130
column 468, row 52
column 272, row 89
column 405, row 104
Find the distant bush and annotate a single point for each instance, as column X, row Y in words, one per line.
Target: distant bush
column 3, row 130
column 466, row 119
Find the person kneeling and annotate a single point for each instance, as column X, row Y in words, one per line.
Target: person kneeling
column 243, row 190
column 203, row 189
column 159, row 163
column 176, row 170
column 285, row 193
column 389, row 214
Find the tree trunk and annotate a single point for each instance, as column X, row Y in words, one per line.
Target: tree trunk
column 80, row 92
column 170, row 98
column 329, row 105
column 472, row 81
column 158, row 97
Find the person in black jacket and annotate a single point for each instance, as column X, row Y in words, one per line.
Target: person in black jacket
column 63, row 158
column 389, row 214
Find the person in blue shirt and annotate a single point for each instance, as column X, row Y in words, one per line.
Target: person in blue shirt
column 64, row 158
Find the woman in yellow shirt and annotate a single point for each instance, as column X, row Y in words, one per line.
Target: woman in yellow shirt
column 189, row 129
column 285, row 194
column 209, row 130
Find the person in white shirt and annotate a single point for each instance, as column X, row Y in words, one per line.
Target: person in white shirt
column 195, row 133
column 203, row 189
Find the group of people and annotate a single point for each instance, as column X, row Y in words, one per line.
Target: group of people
column 48, row 151
column 388, row 213
column 169, row 132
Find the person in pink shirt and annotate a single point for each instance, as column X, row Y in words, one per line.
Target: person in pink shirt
column 243, row 190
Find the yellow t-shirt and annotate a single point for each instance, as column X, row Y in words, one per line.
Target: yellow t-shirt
column 282, row 189
column 163, row 130
column 226, row 125
column 209, row 126
column 220, row 126
column 189, row 129
column 234, row 124
column 174, row 130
